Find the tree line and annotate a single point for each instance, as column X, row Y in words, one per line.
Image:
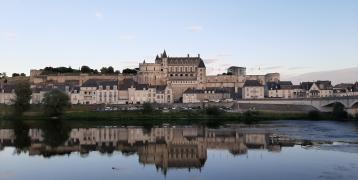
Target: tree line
column 86, row 69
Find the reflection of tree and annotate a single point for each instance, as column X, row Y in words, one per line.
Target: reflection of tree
column 22, row 140
column 55, row 133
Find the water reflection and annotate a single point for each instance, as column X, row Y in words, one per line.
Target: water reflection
column 165, row 147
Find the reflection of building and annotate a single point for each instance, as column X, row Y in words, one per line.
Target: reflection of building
column 179, row 147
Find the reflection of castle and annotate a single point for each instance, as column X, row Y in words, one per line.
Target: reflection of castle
column 179, row 147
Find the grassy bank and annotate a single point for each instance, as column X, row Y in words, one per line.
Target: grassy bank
column 84, row 115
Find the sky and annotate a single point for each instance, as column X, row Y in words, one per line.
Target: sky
column 287, row 36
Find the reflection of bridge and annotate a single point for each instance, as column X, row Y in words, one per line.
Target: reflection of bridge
column 323, row 104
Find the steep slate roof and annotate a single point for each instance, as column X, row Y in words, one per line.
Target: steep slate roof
column 348, row 86
column 355, row 87
column 324, row 85
column 90, row 83
column 103, row 83
column 8, row 88
column 306, row 85
column 159, row 87
column 128, row 83
column 202, row 91
column 196, row 61
column 252, row 83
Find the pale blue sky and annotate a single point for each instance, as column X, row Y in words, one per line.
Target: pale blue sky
column 287, row 36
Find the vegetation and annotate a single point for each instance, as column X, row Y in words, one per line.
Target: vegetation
column 213, row 110
column 57, row 70
column 147, row 108
column 17, row 74
column 55, row 102
column 130, row 71
column 3, row 75
column 356, row 116
column 23, row 96
column 109, row 70
column 22, row 140
column 55, row 133
column 339, row 112
column 88, row 70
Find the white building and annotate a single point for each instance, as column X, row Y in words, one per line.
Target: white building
column 252, row 90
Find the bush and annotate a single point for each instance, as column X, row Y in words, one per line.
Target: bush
column 55, row 102
column 213, row 110
column 250, row 116
column 147, row 108
column 314, row 115
column 23, row 96
column 338, row 112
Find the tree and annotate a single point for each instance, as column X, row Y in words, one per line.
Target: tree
column 23, row 96
column 129, row 71
column 55, row 102
column 338, row 112
column 15, row 74
column 85, row 69
column 147, row 108
column 104, row 70
column 22, row 74
column 110, row 70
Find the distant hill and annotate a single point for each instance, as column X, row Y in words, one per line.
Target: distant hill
column 349, row 75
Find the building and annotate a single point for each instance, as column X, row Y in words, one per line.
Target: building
column 205, row 95
column 318, row 88
column 131, row 92
column 253, row 89
column 281, row 89
column 7, row 94
column 236, row 71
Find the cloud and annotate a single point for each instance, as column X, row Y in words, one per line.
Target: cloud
column 9, row 35
column 99, row 14
column 195, row 28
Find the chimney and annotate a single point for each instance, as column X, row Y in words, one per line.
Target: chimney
column 198, row 55
column 188, row 55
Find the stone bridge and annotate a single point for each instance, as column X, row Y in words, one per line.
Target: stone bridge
column 324, row 104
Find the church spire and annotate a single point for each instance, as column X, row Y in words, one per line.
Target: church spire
column 164, row 55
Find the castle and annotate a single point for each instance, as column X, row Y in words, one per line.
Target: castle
column 163, row 81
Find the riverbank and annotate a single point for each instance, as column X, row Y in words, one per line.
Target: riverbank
column 86, row 115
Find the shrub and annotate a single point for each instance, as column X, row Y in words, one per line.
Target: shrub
column 213, row 110
column 147, row 108
column 55, row 102
column 23, row 96
column 250, row 116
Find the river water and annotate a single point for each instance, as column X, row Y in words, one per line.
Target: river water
column 272, row 150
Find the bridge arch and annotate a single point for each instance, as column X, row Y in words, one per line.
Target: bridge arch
column 331, row 104
column 354, row 104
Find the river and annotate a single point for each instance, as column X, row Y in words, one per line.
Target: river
column 270, row 150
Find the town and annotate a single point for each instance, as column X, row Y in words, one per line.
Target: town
column 170, row 80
